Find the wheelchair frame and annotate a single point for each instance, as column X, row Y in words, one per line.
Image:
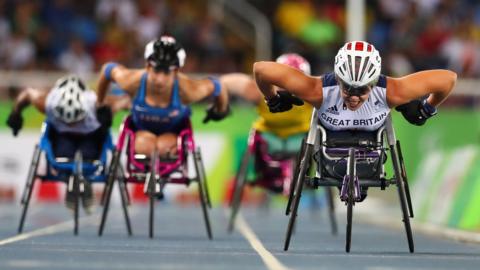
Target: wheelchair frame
column 157, row 175
column 72, row 172
column 351, row 184
column 285, row 163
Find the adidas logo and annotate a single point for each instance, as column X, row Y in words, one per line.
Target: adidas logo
column 333, row 110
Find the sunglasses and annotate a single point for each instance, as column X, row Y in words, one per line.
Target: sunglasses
column 161, row 68
column 351, row 90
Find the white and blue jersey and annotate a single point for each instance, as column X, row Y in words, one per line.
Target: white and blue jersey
column 334, row 114
column 84, row 126
column 156, row 119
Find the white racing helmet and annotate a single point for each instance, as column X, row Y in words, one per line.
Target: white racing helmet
column 358, row 64
column 294, row 60
column 71, row 105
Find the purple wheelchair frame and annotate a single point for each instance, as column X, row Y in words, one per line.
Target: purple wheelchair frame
column 156, row 172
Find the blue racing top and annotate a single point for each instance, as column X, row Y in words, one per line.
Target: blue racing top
column 159, row 120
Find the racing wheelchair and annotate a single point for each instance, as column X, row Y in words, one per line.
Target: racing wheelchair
column 274, row 172
column 154, row 172
column 75, row 173
column 352, row 161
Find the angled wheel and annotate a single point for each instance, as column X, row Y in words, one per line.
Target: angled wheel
column 77, row 178
column 239, row 185
column 402, row 196
column 202, row 191
column 331, row 210
column 204, row 176
column 27, row 192
column 351, row 197
column 122, row 187
column 295, row 177
column 405, row 180
column 152, row 182
column 111, row 176
column 303, row 169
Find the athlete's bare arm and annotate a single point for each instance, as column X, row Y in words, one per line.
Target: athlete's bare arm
column 241, row 85
column 192, row 91
column 307, row 88
column 127, row 79
column 438, row 83
column 29, row 96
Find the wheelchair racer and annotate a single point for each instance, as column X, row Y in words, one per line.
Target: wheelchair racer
column 76, row 123
column 355, row 96
column 282, row 132
column 161, row 94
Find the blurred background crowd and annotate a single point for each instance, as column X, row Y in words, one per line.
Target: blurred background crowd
column 78, row 36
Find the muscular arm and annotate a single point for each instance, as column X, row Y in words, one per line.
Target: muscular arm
column 29, row 96
column 241, row 85
column 195, row 90
column 438, row 83
column 127, row 79
column 307, row 88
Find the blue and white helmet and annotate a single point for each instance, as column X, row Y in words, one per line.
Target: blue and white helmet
column 71, row 106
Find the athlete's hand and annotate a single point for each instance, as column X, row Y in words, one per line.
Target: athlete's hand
column 283, row 101
column 417, row 112
column 15, row 122
column 104, row 116
column 214, row 114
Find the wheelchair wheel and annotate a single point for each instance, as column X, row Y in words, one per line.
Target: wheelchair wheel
column 239, row 185
column 303, row 169
column 331, row 210
column 350, row 197
column 405, row 180
column 77, row 178
column 29, row 185
column 111, row 176
column 152, row 182
column 294, row 178
column 122, row 186
column 202, row 184
column 402, row 196
column 198, row 156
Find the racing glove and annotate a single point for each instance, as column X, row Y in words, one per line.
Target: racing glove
column 417, row 112
column 104, row 116
column 282, row 102
column 15, row 122
column 213, row 114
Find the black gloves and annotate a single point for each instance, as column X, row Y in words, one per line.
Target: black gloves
column 283, row 101
column 15, row 122
column 213, row 114
column 104, row 116
column 417, row 112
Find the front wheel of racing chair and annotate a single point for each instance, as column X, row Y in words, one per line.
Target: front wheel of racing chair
column 27, row 192
column 151, row 191
column 202, row 189
column 239, row 185
column 113, row 171
column 350, row 193
column 74, row 185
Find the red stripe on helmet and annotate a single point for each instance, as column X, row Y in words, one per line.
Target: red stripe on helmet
column 359, row 46
column 349, row 46
column 369, row 48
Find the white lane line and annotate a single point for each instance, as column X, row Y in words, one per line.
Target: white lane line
column 270, row 261
column 56, row 228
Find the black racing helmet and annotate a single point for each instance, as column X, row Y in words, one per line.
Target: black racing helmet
column 165, row 54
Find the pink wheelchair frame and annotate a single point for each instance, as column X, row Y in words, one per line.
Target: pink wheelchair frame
column 156, row 173
column 274, row 172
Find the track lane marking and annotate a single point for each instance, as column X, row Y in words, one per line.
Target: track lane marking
column 267, row 257
column 52, row 229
